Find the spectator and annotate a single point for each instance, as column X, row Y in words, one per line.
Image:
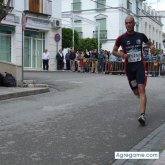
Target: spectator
column 101, row 61
column 45, row 58
column 60, row 58
column 94, row 56
column 72, row 59
column 67, row 58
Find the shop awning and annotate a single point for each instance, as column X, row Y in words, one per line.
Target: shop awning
column 7, row 28
column 31, row 32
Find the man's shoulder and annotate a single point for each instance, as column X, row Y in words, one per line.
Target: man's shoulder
column 140, row 34
column 122, row 35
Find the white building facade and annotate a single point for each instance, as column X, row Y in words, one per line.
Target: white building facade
column 41, row 23
column 152, row 25
column 110, row 14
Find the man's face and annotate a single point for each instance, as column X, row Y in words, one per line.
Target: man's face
column 129, row 24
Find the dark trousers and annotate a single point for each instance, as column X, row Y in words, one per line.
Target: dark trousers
column 45, row 64
column 67, row 64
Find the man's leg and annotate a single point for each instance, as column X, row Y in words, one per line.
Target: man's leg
column 142, row 102
column 141, row 94
column 43, row 64
column 142, row 97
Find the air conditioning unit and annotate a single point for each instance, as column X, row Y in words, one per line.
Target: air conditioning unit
column 56, row 23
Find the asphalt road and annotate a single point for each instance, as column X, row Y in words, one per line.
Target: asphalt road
column 83, row 120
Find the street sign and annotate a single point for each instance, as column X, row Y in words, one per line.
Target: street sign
column 57, row 37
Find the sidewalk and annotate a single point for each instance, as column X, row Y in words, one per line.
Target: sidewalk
column 13, row 92
column 154, row 142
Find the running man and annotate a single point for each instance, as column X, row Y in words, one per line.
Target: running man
column 131, row 43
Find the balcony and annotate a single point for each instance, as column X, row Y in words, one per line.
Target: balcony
column 103, row 34
column 39, row 7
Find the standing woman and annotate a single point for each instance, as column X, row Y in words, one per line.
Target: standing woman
column 45, row 59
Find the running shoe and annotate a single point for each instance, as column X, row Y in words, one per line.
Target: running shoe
column 142, row 120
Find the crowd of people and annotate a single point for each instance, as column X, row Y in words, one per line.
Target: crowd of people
column 87, row 61
column 105, row 62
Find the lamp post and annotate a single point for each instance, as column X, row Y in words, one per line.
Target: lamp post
column 23, row 30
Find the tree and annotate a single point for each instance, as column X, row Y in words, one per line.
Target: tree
column 67, row 42
column 88, row 43
column 4, row 9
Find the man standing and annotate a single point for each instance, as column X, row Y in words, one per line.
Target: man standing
column 45, row 58
column 67, row 58
column 60, row 60
column 131, row 43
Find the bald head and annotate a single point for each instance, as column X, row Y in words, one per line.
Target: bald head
column 129, row 24
column 129, row 18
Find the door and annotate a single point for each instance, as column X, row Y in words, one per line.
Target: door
column 33, row 52
column 37, row 53
column 27, row 52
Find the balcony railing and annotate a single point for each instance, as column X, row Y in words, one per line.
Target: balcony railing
column 40, row 6
column 103, row 34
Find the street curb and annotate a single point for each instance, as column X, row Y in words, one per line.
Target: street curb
column 145, row 145
column 28, row 92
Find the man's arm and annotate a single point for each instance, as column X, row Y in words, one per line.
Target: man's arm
column 119, row 53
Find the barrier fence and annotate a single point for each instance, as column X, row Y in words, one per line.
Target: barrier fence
column 116, row 67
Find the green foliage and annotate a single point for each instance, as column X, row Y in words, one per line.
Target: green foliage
column 157, row 50
column 88, row 43
column 80, row 44
column 67, row 38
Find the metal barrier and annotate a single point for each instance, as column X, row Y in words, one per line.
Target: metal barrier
column 152, row 68
column 118, row 67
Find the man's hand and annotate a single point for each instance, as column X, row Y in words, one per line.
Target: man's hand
column 126, row 56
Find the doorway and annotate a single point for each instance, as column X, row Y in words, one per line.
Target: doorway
column 33, row 49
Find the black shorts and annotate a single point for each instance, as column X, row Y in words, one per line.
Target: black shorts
column 135, row 72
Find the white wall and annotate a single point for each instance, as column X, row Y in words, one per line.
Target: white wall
column 115, row 19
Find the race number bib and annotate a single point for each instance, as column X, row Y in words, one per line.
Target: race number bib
column 134, row 56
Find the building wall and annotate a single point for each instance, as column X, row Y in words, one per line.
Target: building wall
column 49, row 30
column 115, row 19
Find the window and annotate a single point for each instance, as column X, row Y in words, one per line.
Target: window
column 78, row 28
column 129, row 5
column 5, row 47
column 36, row 6
column 76, row 5
column 101, row 4
column 103, row 31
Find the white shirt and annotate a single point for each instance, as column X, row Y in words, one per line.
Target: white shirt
column 46, row 56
